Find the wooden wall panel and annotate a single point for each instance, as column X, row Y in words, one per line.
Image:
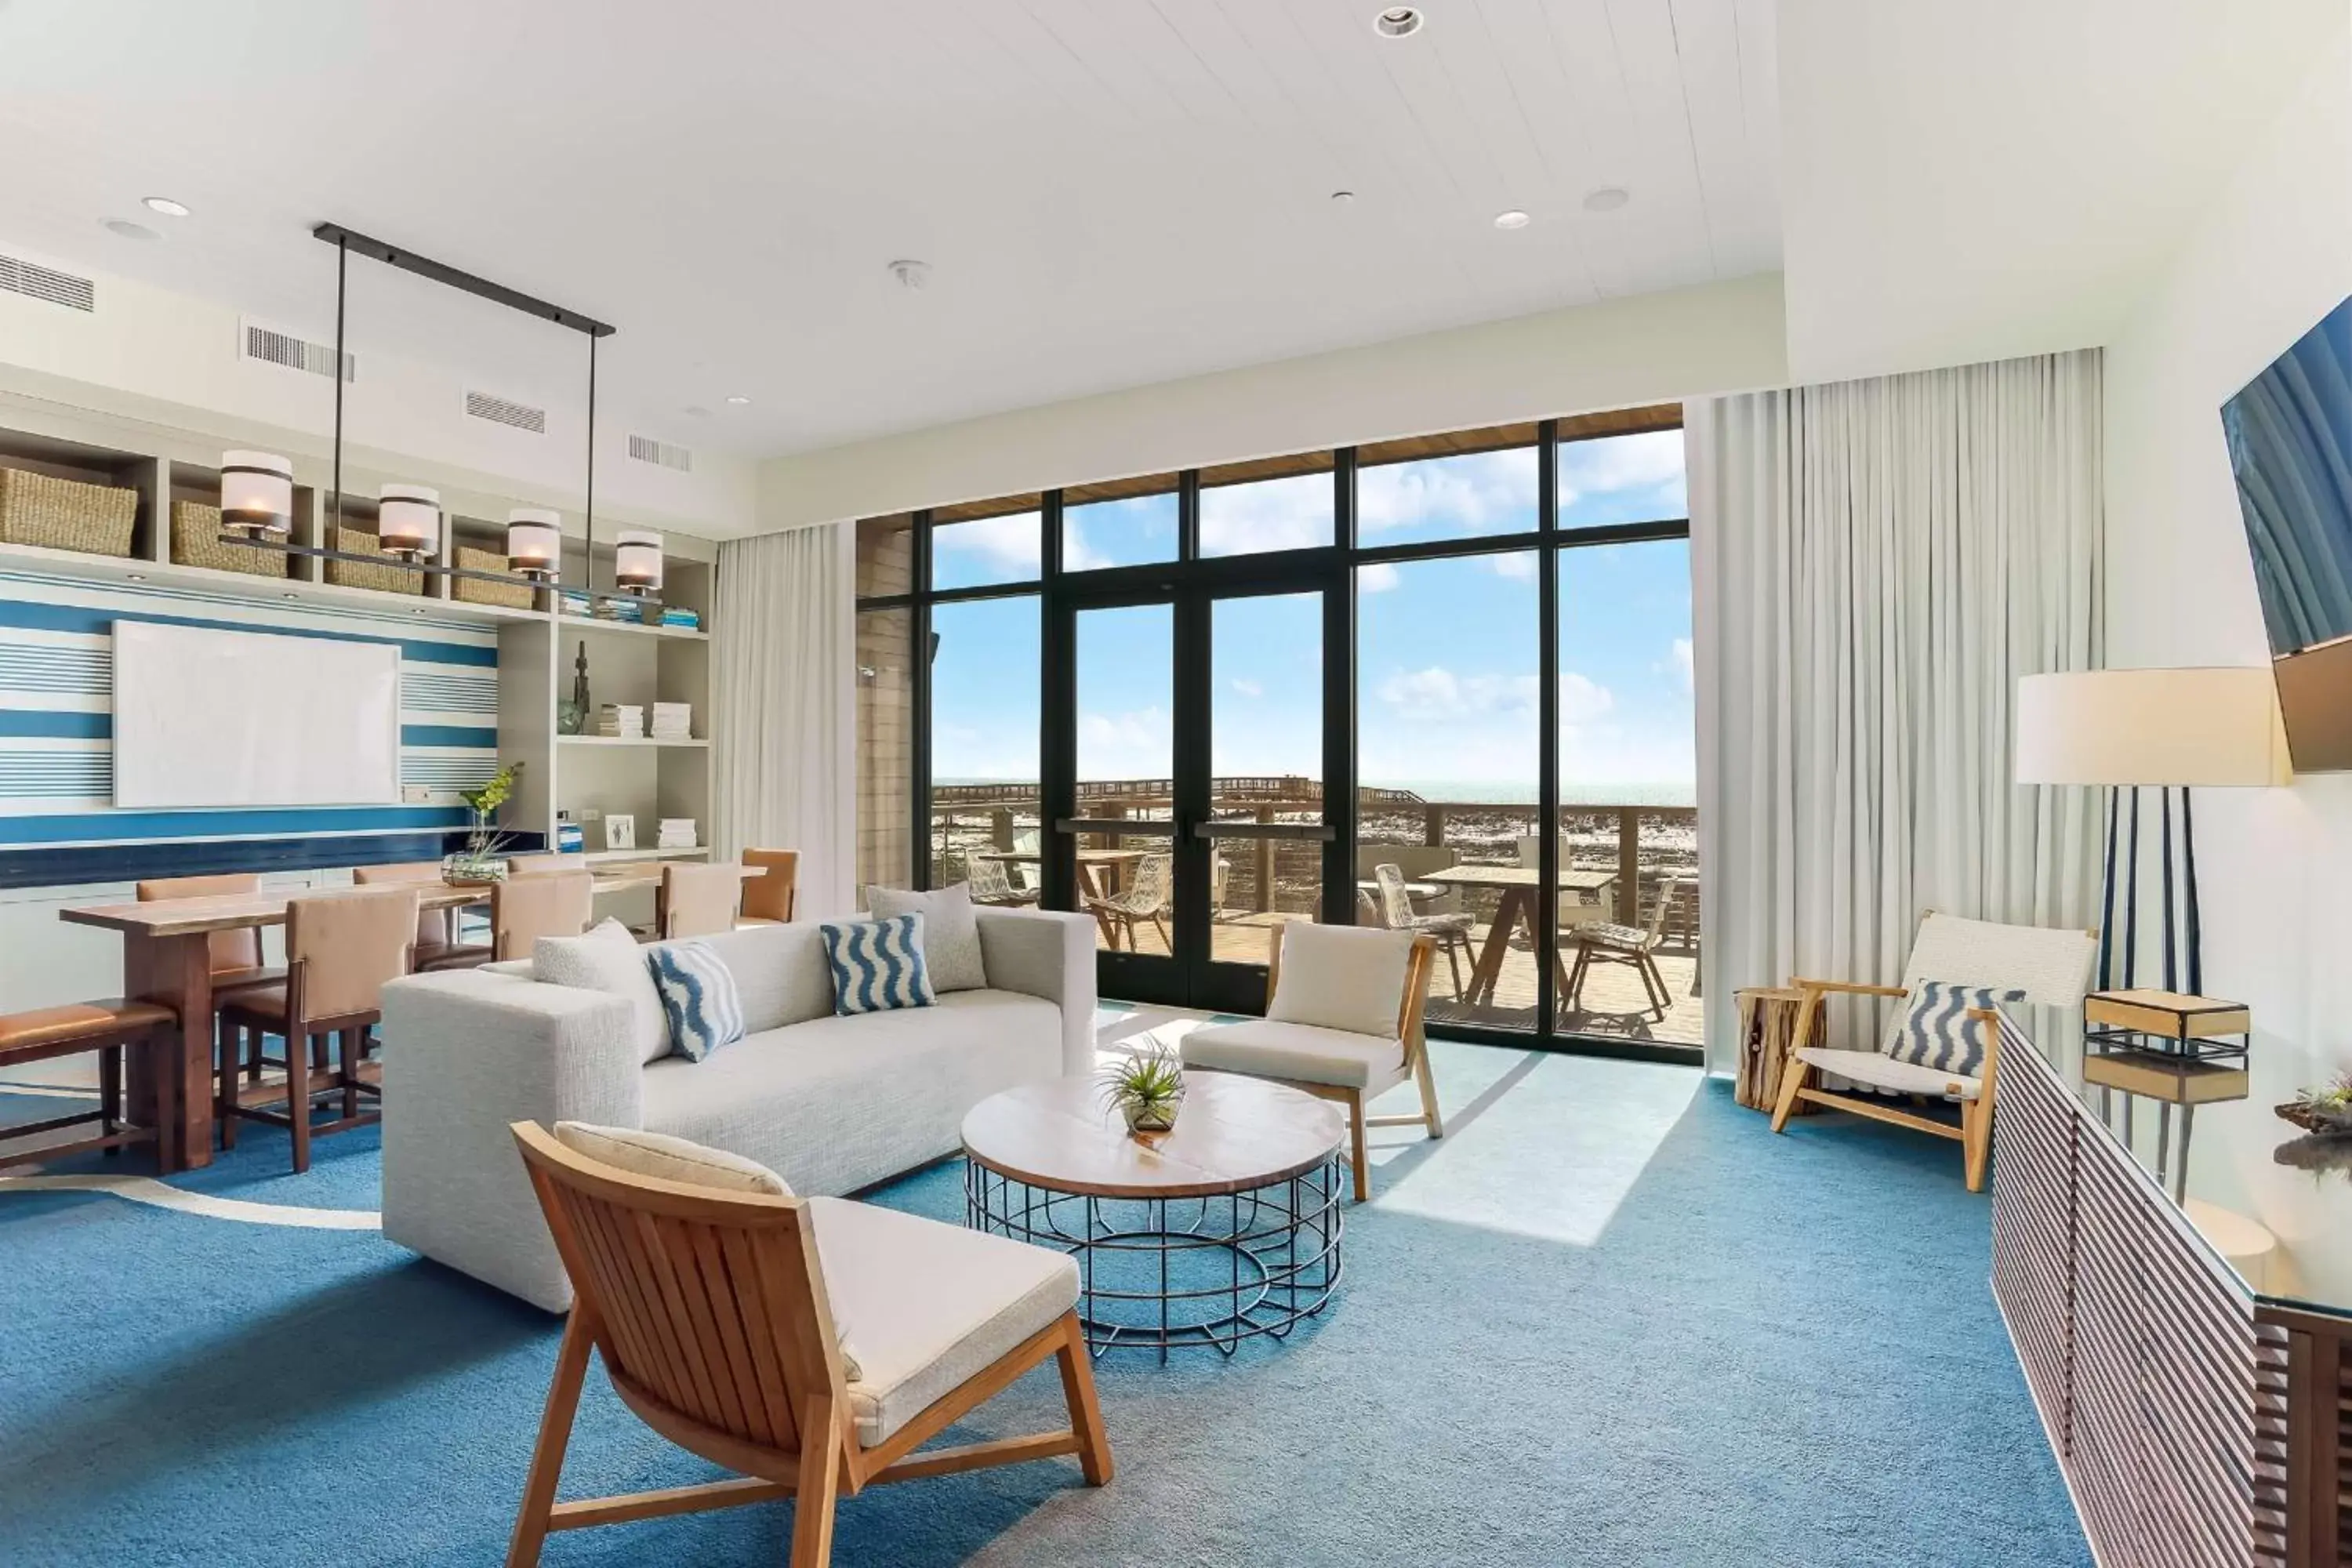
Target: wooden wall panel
column 2033, row 1235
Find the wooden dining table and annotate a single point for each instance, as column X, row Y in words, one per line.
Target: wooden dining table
column 1516, row 885
column 167, row 958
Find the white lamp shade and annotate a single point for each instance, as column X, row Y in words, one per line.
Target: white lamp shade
column 408, row 520
column 638, row 560
column 2200, row 727
column 256, row 494
column 534, row 541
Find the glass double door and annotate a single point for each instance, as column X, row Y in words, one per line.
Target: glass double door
column 1187, row 811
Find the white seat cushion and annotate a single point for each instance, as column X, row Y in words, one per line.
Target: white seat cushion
column 1299, row 1053
column 1885, row 1072
column 668, row 1159
column 934, row 1304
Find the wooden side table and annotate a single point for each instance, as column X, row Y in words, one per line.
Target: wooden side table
column 1768, row 1032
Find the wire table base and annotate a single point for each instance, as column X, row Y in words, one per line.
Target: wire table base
column 1170, row 1273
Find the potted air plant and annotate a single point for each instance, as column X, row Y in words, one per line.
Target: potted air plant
column 2326, row 1111
column 483, row 859
column 1146, row 1089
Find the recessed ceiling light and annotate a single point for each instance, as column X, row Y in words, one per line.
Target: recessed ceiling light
column 1607, row 199
column 1397, row 22
column 695, row 411
column 1343, row 197
column 166, row 205
column 1514, row 219
column 911, row 274
column 739, row 401
column 129, row 230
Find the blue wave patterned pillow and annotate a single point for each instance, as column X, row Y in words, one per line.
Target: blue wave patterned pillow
column 698, row 996
column 878, row 965
column 1937, row 1033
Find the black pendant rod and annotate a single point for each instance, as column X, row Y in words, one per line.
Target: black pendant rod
column 2107, row 895
column 588, row 518
column 2131, row 897
column 2171, row 964
column 2189, row 876
column 442, row 272
column 343, row 285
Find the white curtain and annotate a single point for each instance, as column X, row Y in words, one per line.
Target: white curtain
column 784, row 775
column 1874, row 563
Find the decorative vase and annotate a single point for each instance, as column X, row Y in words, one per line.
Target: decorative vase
column 466, row 868
column 1157, row 1116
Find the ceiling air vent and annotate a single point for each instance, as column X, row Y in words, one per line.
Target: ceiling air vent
column 35, row 281
column 271, row 346
column 645, row 450
column 506, row 411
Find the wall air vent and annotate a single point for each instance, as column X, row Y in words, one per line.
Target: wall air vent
column 271, row 346
column 645, row 450
column 506, row 411
column 36, row 282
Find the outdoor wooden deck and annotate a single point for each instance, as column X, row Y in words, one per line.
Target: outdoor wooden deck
column 1613, row 1003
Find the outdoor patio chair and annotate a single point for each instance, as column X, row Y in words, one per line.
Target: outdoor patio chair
column 1450, row 932
column 1946, row 1042
column 991, row 885
column 1144, row 899
column 799, row 1343
column 1633, row 946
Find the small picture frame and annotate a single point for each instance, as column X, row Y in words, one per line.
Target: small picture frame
column 620, row 831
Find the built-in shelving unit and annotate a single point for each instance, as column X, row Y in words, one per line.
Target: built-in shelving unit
column 587, row 777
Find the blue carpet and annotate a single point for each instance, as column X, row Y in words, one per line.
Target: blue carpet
column 1559, row 1342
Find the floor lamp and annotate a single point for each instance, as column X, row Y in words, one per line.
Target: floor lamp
column 2166, row 729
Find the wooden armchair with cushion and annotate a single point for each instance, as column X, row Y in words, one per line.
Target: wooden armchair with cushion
column 696, row 900
column 770, row 898
column 1945, row 1042
column 803, row 1343
column 1342, row 1022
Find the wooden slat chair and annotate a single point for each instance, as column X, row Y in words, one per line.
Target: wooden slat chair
column 770, row 898
column 1633, row 946
column 715, row 1315
column 2050, row 966
column 1450, row 932
column 696, row 900
column 1147, row 899
column 340, row 951
column 993, row 886
column 111, row 1028
column 1347, row 1066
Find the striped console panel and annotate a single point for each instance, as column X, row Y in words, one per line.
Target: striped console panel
column 57, row 724
column 2137, row 1342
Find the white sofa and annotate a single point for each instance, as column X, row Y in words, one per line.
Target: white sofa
column 831, row 1104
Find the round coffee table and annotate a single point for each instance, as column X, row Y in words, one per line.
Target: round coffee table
column 1225, row 1229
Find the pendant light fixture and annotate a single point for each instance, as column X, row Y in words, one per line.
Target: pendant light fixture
column 256, row 495
column 257, row 487
column 408, row 521
column 534, row 542
column 637, row 561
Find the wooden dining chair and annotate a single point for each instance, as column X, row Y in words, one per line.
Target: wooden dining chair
column 1636, row 947
column 769, row 897
column 546, row 863
column 236, row 955
column 524, row 908
column 438, row 943
column 714, row 1314
column 340, row 951
column 696, row 901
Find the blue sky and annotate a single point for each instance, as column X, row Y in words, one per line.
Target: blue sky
column 1446, row 650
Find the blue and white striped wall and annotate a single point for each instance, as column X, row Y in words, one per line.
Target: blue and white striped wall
column 57, row 713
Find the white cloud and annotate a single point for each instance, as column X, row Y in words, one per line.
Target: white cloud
column 1619, row 463
column 1377, row 578
column 1008, row 545
column 1247, row 687
column 1479, row 493
column 1519, row 566
column 1272, row 514
column 1136, row 744
column 1583, row 700
column 1438, row 695
column 1678, row 659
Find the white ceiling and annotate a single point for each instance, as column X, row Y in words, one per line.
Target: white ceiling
column 1970, row 181
column 1111, row 193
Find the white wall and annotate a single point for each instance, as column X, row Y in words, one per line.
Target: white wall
column 2270, row 257
column 1656, row 348
column 168, row 358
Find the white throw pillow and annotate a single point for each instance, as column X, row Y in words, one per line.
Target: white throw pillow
column 607, row 959
column 1342, row 978
column 950, row 932
column 668, row 1159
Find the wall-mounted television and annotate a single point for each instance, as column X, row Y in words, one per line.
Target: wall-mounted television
column 2290, row 438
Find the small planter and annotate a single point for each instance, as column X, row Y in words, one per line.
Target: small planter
column 466, row 870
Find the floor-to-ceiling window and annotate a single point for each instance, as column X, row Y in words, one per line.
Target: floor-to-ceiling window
column 1475, row 638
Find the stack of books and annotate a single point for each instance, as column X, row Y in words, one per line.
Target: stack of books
column 679, row 616
column 674, row 833
column 621, row 721
column 673, row 721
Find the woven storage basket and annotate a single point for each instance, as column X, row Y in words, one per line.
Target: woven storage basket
column 516, row 597
column 66, row 514
column 196, row 541
column 388, row 579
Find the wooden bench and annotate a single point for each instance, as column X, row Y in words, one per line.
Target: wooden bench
column 110, row 1027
